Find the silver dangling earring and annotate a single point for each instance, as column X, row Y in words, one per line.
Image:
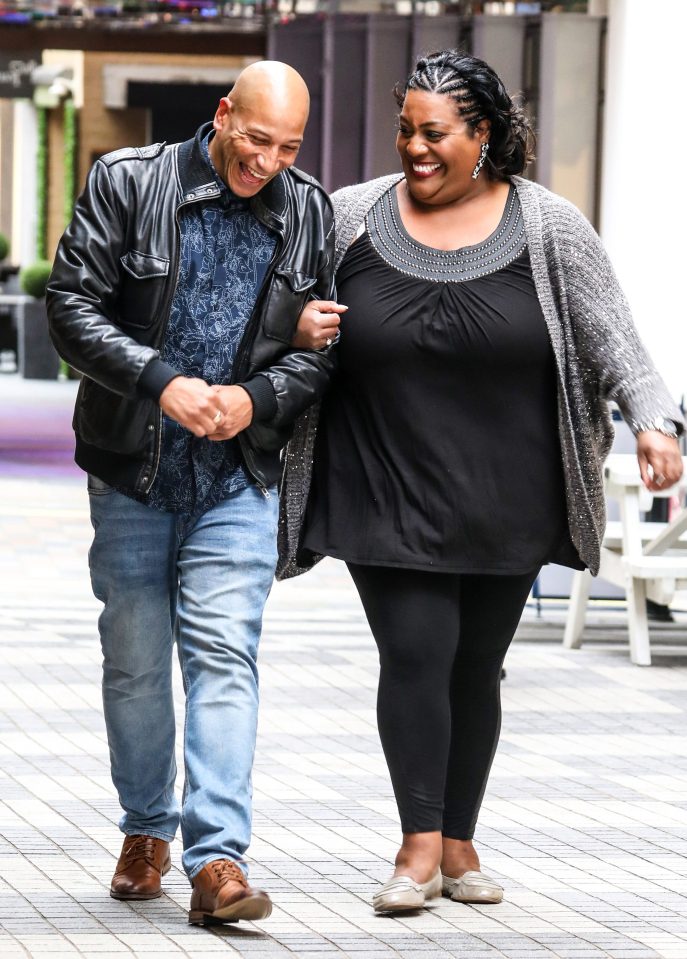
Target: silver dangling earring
column 483, row 150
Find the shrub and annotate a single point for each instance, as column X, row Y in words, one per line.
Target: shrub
column 34, row 279
column 4, row 246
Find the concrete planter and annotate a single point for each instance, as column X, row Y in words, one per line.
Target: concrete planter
column 37, row 357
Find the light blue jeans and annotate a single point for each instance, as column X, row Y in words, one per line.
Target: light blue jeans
column 203, row 582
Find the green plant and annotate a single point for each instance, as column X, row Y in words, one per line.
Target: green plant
column 70, row 143
column 42, row 183
column 4, row 246
column 33, row 279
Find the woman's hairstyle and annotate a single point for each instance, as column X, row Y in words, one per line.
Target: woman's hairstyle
column 479, row 94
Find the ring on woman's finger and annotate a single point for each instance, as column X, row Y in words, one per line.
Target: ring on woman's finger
column 660, row 479
column 217, row 418
column 329, row 341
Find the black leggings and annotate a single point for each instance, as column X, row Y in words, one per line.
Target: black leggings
column 442, row 639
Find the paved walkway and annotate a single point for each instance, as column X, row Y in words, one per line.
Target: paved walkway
column 585, row 819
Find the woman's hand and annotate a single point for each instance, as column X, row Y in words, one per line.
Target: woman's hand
column 662, row 454
column 318, row 325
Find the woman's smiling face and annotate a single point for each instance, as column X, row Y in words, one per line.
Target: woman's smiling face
column 438, row 149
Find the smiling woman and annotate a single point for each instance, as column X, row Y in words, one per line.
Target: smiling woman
column 462, row 445
column 459, row 138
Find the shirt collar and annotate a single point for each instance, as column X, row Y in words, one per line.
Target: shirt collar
column 227, row 197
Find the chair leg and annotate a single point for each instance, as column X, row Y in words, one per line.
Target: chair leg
column 638, row 622
column 579, row 597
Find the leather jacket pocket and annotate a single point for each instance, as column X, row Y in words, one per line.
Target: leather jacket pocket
column 289, row 292
column 143, row 280
column 98, row 487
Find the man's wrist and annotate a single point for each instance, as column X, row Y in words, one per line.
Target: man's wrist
column 263, row 397
column 249, row 400
column 154, row 379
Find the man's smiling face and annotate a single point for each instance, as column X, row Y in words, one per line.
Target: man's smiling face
column 254, row 141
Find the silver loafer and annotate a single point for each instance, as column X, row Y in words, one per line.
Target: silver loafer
column 472, row 886
column 401, row 893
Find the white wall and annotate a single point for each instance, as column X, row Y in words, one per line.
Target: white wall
column 643, row 196
column 24, row 208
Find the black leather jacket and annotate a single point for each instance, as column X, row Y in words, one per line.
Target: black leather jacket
column 110, row 293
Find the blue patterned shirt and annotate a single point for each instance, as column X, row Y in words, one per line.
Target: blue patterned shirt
column 224, row 255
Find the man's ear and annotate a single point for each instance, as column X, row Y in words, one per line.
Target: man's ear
column 224, row 108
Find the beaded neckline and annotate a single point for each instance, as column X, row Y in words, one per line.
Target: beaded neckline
column 397, row 248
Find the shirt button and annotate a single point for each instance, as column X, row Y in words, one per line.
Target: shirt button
column 151, row 427
column 145, row 479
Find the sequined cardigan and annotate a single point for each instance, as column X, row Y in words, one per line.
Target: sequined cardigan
column 599, row 359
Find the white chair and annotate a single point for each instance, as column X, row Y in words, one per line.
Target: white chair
column 647, row 560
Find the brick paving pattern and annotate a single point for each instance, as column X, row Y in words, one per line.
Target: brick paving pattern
column 584, row 822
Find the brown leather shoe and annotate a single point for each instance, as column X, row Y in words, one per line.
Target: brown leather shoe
column 221, row 894
column 142, row 864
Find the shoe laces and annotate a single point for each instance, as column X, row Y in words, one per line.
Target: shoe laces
column 225, row 870
column 142, row 847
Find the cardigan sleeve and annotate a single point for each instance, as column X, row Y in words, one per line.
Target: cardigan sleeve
column 606, row 339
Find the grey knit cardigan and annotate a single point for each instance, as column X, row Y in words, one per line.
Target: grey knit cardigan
column 599, row 358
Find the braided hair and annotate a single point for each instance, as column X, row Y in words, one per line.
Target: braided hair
column 479, row 94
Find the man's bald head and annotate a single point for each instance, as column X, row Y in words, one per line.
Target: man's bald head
column 259, row 126
column 270, row 82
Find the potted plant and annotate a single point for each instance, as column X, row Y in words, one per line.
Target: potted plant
column 37, row 357
column 34, row 279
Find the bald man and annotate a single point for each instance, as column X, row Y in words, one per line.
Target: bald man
column 176, row 291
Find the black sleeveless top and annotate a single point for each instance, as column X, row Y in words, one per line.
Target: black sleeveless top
column 438, row 446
